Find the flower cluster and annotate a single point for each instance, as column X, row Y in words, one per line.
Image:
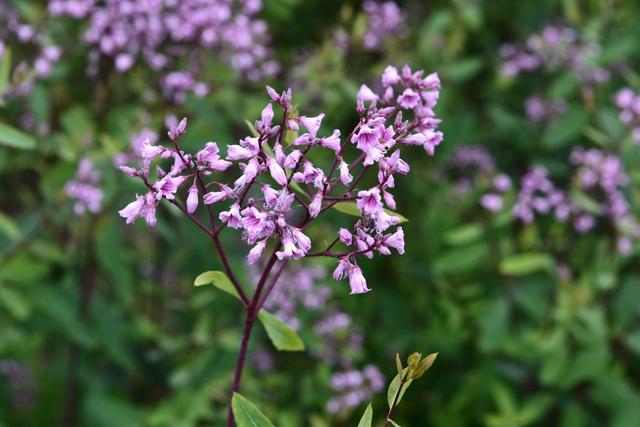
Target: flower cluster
column 384, row 20
column 26, row 38
column 556, row 48
column 539, row 110
column 471, row 166
column 538, row 195
column 160, row 32
column 84, row 190
column 628, row 102
column 279, row 191
column 354, row 387
column 599, row 180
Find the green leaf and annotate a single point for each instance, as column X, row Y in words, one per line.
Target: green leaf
column 350, row 208
column 395, row 385
column 247, row 414
column 367, row 417
column 586, row 202
column 280, row 334
column 464, row 234
column 394, row 424
column 526, row 263
column 14, row 303
column 217, row 279
column 5, row 72
column 12, row 137
column 565, row 129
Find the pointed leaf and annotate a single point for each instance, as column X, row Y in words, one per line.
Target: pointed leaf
column 367, row 417
column 280, row 334
column 217, row 279
column 12, row 137
column 247, row 414
column 526, row 263
column 394, row 424
column 395, row 385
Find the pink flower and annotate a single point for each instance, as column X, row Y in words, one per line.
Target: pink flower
column 357, row 282
column 491, row 202
column 365, row 94
column 345, row 236
column 167, row 187
column 369, row 201
column 232, row 216
column 256, row 224
column 390, row 76
column 209, row 158
column 192, row 198
column 409, row 99
column 315, row 205
column 143, row 206
column 175, row 132
column 276, row 171
column 367, row 140
column 332, row 142
column 256, row 252
column 396, row 240
column 132, row 211
column 345, row 176
column 312, row 123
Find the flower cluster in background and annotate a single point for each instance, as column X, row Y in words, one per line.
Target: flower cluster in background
column 540, row 110
column 338, row 343
column 84, row 189
column 472, row 167
column 598, row 192
column 279, row 190
column 353, row 387
column 554, row 47
column 628, row 102
column 384, row 20
column 32, row 55
column 174, row 37
column 20, row 383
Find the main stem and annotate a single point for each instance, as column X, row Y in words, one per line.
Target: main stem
column 242, row 355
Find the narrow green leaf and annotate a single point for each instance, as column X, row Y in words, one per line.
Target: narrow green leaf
column 526, row 263
column 5, row 71
column 367, row 417
column 217, row 279
column 395, row 385
column 394, row 424
column 14, row 303
column 252, row 129
column 464, row 234
column 12, row 137
column 350, row 208
column 280, row 334
column 247, row 414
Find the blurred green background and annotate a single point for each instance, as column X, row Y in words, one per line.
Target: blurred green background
column 535, row 325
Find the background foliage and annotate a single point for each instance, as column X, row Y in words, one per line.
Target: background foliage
column 100, row 324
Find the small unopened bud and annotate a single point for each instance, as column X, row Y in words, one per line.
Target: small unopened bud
column 423, row 366
column 413, row 360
